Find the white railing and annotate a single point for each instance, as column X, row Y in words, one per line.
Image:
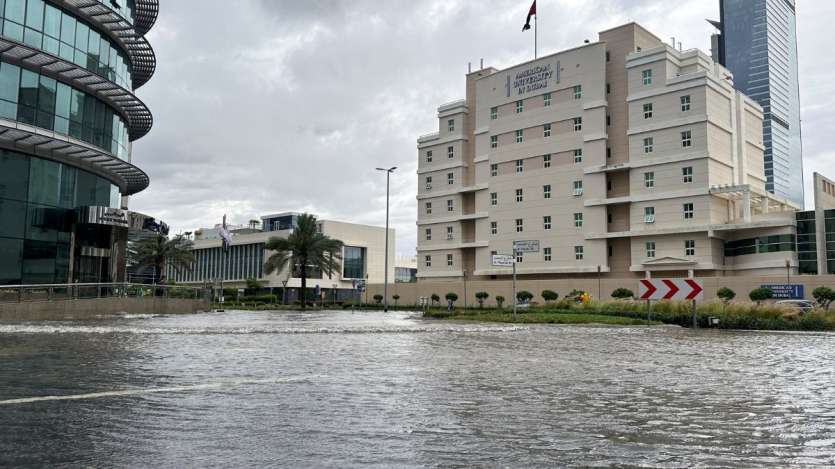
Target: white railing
column 83, row 291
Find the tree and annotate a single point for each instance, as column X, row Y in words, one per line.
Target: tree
column 500, row 300
column 824, row 296
column 395, row 297
column 524, row 296
column 758, row 295
column 549, row 295
column 160, row 252
column 378, row 298
column 623, row 294
column 435, row 298
column 481, row 296
column 253, row 285
column 304, row 250
column 452, row 297
column 726, row 295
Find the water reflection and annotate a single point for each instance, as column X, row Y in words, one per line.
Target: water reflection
column 246, row 389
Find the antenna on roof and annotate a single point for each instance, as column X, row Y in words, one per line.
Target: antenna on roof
column 482, row 64
column 469, row 67
column 679, row 46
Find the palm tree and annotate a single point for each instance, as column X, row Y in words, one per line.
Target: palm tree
column 305, row 249
column 160, row 252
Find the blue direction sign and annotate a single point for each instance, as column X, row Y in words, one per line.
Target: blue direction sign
column 787, row 292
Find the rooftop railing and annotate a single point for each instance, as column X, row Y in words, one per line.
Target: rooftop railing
column 87, row 291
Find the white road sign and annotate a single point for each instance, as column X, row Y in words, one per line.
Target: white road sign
column 500, row 260
column 526, row 246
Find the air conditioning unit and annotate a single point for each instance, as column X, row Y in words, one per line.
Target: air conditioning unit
column 578, row 192
column 649, row 218
column 428, row 186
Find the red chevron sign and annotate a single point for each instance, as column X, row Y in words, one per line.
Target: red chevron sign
column 671, row 289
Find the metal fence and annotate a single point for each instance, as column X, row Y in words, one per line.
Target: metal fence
column 84, row 291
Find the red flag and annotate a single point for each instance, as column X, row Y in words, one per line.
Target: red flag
column 532, row 12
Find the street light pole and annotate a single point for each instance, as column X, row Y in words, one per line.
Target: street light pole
column 386, row 273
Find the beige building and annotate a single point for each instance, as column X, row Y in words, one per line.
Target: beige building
column 624, row 156
column 363, row 256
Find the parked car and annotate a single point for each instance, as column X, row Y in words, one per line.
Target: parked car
column 804, row 306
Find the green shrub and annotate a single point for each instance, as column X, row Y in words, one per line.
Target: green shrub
column 481, row 296
column 266, row 299
column 758, row 295
column 451, row 297
column 524, row 296
column 575, row 294
column 726, row 294
column 623, row 294
column 824, row 296
column 395, row 297
column 435, row 298
column 549, row 295
column 378, row 298
column 500, row 300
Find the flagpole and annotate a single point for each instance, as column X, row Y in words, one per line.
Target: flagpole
column 535, row 37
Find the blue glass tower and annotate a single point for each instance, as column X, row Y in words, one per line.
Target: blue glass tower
column 759, row 46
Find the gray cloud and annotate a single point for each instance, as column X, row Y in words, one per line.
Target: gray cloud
column 272, row 105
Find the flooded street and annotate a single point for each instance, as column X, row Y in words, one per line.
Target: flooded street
column 338, row 389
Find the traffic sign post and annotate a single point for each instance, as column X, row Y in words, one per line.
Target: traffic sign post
column 504, row 260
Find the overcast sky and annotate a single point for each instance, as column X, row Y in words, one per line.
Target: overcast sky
column 265, row 106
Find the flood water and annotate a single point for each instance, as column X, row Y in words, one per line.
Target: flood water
column 338, row 389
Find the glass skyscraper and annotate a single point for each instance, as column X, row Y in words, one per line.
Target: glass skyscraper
column 68, row 117
column 759, row 46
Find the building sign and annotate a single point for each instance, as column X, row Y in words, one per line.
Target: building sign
column 787, row 292
column 535, row 78
column 501, row 260
column 525, row 246
column 103, row 216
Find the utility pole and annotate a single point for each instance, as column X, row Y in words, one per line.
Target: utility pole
column 386, row 273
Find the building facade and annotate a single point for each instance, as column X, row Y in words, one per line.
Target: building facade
column 758, row 44
column 625, row 157
column 68, row 116
column 363, row 257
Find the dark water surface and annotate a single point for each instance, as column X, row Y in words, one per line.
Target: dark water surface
column 341, row 390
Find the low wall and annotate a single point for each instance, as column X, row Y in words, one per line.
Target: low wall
column 95, row 308
column 410, row 292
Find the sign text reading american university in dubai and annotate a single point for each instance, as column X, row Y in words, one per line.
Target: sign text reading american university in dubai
column 532, row 79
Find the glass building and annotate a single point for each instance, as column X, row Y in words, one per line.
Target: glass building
column 758, row 44
column 68, row 116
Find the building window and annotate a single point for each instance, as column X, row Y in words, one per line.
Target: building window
column 429, row 234
column 520, row 195
column 427, row 261
column 546, row 191
column 608, row 88
column 494, row 170
column 546, row 99
column 520, row 166
column 578, row 156
column 649, row 180
column 648, row 111
column 449, row 260
column 494, row 141
column 608, row 56
column 690, row 248
column 687, row 174
column 547, row 254
column 520, row 225
column 688, row 211
column 546, row 161
column 546, row 222
column 608, row 153
column 649, row 214
column 494, row 227
column 519, row 258
column 578, row 188
column 578, row 92
column 520, row 136
column 520, row 106
column 451, row 125
column 450, row 152
column 450, row 233
column 685, row 103
column 579, row 253
column 494, row 198
column 686, row 139
column 494, row 113
column 651, row 249
column 450, row 178
column 578, row 220
column 609, row 185
column 429, row 183
column 649, row 145
column 578, row 124
column 646, row 75
column 429, row 208
column 546, row 130
column 608, row 120
column 450, row 206
column 429, row 156
column 611, row 251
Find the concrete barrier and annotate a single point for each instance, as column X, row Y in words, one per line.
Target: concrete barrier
column 85, row 309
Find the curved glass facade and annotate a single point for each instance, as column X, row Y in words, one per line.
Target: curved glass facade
column 45, row 27
column 38, row 199
column 125, row 8
column 43, row 102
